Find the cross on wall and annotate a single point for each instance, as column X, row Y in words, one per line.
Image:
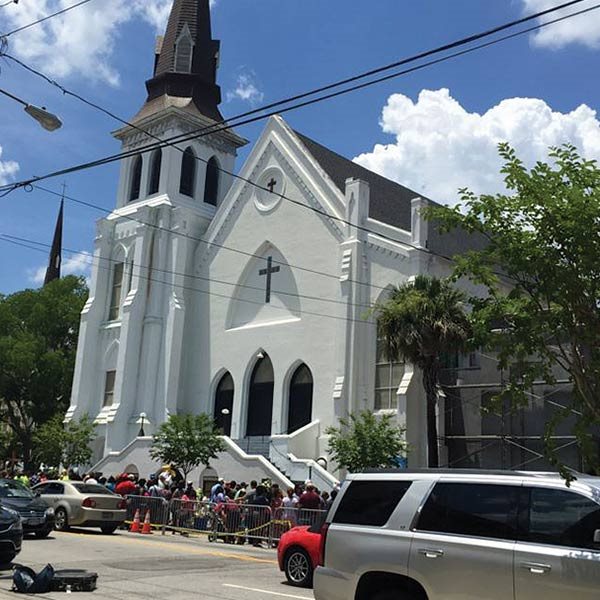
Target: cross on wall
column 271, row 185
column 268, row 272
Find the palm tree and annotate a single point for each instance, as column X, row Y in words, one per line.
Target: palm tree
column 420, row 322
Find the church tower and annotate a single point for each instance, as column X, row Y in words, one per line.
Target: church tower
column 129, row 353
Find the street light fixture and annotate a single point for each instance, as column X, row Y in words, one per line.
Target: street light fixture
column 141, row 432
column 46, row 119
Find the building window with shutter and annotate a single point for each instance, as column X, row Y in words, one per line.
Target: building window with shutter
column 136, row 179
column 187, row 182
column 211, row 188
column 109, row 388
column 116, row 292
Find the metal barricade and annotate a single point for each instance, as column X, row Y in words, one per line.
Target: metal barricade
column 158, row 508
column 229, row 522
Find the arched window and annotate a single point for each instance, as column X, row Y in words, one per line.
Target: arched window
column 211, row 188
column 187, row 183
column 260, row 399
column 300, row 399
column 388, row 375
column 184, row 51
column 136, row 179
column 155, row 165
column 224, row 404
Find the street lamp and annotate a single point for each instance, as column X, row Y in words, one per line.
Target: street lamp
column 46, row 119
column 141, row 432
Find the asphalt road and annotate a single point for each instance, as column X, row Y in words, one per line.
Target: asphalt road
column 167, row 567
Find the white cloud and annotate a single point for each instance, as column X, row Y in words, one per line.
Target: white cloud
column 582, row 29
column 8, row 169
column 440, row 147
column 246, row 89
column 82, row 40
column 75, row 264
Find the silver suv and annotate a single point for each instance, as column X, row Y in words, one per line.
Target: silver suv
column 461, row 535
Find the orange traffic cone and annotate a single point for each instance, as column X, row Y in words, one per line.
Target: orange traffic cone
column 135, row 524
column 147, row 528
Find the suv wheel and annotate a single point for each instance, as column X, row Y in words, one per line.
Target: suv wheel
column 298, row 568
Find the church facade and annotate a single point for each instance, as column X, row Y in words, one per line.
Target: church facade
column 244, row 296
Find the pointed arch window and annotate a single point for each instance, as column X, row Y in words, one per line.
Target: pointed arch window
column 155, row 166
column 260, row 400
column 388, row 375
column 211, row 188
column 187, row 183
column 300, row 399
column 224, row 404
column 136, row 179
column 184, row 51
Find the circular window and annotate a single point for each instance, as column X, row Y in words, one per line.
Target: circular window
column 271, row 189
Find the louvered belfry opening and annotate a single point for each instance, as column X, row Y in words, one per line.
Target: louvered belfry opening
column 187, row 57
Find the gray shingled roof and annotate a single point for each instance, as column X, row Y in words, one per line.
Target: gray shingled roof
column 390, row 202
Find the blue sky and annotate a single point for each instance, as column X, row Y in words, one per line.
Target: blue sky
column 435, row 130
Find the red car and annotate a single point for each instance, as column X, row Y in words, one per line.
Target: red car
column 298, row 554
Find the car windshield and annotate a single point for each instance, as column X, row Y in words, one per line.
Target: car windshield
column 89, row 488
column 13, row 489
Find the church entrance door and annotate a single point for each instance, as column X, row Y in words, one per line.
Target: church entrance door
column 224, row 404
column 260, row 399
column 300, row 404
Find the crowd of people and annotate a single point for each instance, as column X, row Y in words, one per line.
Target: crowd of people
column 228, row 506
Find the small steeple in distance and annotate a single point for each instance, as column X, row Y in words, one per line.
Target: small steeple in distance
column 187, row 58
column 55, row 259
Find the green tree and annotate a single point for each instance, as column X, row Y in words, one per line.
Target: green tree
column 422, row 321
column 187, row 441
column 38, row 341
column 365, row 441
column 55, row 443
column 541, row 269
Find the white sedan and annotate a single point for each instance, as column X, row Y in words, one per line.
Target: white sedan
column 80, row 504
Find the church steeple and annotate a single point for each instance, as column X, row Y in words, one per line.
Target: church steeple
column 187, row 59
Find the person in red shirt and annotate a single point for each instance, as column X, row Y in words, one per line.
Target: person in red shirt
column 310, row 499
column 126, row 485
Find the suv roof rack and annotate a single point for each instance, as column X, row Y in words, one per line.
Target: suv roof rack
column 460, row 472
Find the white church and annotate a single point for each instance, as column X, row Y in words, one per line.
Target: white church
column 246, row 297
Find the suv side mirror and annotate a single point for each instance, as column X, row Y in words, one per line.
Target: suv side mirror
column 597, row 536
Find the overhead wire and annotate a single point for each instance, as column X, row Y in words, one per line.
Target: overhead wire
column 188, row 275
column 30, row 244
column 220, row 126
column 46, row 18
column 314, row 209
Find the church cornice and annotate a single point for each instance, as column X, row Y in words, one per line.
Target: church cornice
column 173, row 118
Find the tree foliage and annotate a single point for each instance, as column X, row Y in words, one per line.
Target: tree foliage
column 56, row 444
column 187, row 441
column 365, row 441
column 38, row 340
column 422, row 321
column 541, row 270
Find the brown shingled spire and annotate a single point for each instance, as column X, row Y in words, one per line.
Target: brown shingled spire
column 187, row 64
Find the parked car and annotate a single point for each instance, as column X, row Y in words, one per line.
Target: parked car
column 37, row 515
column 298, row 554
column 461, row 534
column 11, row 534
column 81, row 504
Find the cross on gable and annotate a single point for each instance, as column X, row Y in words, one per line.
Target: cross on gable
column 268, row 272
column 271, row 185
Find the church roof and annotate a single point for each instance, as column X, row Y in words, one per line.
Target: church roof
column 390, row 202
column 187, row 59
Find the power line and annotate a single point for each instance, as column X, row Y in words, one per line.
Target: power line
column 226, row 126
column 31, row 245
column 203, row 241
column 22, row 240
column 46, row 18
